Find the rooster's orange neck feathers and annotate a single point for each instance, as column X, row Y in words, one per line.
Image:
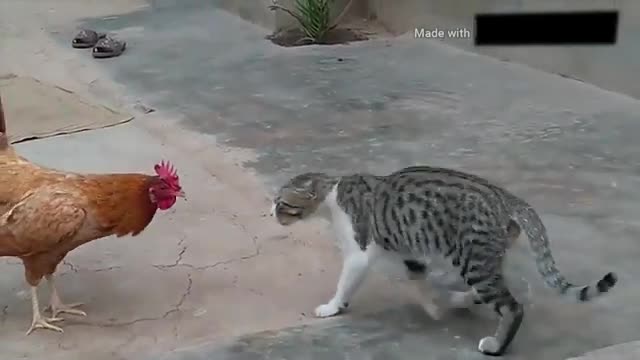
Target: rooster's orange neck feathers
column 122, row 202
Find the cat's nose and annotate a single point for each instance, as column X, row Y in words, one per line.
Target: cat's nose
column 273, row 210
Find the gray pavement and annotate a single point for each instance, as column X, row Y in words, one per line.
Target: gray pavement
column 566, row 147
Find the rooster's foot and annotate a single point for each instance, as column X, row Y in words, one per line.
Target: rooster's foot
column 61, row 308
column 43, row 323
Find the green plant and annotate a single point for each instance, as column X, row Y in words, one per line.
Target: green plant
column 313, row 16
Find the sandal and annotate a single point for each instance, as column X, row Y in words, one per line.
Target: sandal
column 108, row 47
column 86, row 39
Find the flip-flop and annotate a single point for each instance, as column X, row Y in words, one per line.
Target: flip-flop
column 86, row 38
column 108, row 47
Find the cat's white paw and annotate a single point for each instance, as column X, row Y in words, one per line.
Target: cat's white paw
column 461, row 299
column 328, row 309
column 433, row 310
column 489, row 346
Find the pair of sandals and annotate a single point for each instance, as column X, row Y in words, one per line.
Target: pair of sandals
column 103, row 46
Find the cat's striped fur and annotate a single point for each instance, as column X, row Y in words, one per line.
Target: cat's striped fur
column 419, row 213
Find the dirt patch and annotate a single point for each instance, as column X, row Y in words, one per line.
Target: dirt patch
column 296, row 37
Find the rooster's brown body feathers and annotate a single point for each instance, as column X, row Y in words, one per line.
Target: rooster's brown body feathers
column 45, row 213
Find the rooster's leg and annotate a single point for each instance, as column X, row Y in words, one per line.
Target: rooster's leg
column 40, row 322
column 57, row 306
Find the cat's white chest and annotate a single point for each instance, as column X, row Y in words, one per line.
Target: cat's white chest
column 341, row 223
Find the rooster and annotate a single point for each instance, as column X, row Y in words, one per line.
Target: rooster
column 45, row 213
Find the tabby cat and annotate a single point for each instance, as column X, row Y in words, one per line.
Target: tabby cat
column 421, row 214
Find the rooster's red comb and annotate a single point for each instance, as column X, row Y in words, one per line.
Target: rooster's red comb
column 166, row 170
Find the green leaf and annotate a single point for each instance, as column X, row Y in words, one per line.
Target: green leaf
column 314, row 17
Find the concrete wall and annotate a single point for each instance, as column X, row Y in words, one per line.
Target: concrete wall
column 257, row 11
column 615, row 68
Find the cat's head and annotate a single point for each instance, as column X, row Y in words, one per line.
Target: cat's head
column 300, row 197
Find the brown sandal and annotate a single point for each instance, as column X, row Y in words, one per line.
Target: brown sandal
column 86, row 38
column 108, row 47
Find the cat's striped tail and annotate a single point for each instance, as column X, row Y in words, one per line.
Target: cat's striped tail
column 535, row 230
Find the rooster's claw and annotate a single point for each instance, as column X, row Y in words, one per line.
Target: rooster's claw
column 65, row 309
column 40, row 323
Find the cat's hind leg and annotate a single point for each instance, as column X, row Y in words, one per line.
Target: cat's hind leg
column 417, row 273
column 463, row 299
column 434, row 300
column 493, row 291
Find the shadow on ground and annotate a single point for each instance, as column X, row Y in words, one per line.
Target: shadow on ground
column 399, row 334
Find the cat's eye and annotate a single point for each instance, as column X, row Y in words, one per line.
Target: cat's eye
column 290, row 206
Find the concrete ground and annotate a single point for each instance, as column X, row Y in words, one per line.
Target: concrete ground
column 238, row 116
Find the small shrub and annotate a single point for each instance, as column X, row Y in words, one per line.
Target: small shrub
column 313, row 16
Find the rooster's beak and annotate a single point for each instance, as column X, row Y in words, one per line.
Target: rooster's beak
column 181, row 194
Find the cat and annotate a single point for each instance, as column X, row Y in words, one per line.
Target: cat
column 296, row 193
column 421, row 214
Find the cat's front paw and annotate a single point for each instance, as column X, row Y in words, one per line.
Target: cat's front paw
column 434, row 311
column 329, row 309
column 489, row 346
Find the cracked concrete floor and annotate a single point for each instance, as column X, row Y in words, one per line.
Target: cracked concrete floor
column 217, row 267
column 198, row 270
column 178, row 280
